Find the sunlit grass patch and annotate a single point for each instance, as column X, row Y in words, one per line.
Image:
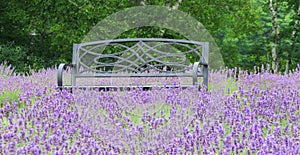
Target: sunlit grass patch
column 9, row 96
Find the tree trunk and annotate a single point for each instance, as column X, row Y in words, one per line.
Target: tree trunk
column 143, row 2
column 293, row 41
column 275, row 33
column 174, row 7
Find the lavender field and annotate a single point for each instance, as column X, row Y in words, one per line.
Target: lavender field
column 254, row 114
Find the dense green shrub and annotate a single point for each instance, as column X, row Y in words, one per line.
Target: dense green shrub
column 21, row 58
column 15, row 55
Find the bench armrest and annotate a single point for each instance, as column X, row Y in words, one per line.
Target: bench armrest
column 195, row 72
column 61, row 67
column 203, row 61
column 204, row 71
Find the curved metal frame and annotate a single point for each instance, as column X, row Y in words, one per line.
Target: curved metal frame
column 204, row 71
column 195, row 72
column 61, row 67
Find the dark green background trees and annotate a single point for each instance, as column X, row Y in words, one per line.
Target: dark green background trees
column 36, row 34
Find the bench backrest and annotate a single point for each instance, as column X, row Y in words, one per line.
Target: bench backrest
column 137, row 56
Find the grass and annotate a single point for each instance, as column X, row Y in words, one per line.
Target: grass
column 9, row 96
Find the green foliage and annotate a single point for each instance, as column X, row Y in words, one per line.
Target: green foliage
column 242, row 29
column 14, row 55
column 20, row 58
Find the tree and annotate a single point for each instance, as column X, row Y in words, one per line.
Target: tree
column 275, row 32
column 242, row 28
column 293, row 40
column 58, row 24
column 285, row 25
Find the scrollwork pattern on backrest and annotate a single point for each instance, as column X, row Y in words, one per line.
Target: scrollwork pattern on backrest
column 138, row 55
